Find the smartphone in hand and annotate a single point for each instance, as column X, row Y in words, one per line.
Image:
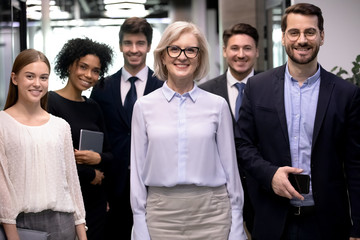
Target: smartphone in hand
column 300, row 182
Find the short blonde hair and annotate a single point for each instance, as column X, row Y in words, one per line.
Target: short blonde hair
column 171, row 34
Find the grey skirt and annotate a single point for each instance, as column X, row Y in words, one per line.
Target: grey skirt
column 59, row 225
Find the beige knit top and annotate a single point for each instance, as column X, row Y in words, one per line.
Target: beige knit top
column 37, row 169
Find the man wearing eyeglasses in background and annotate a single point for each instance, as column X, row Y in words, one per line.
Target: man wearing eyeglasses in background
column 299, row 141
column 241, row 52
column 116, row 96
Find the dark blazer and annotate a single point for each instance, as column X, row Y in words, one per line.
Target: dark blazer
column 218, row 86
column 263, row 146
column 107, row 94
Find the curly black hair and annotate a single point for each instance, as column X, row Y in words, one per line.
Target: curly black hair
column 77, row 48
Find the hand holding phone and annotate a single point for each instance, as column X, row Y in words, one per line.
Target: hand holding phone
column 300, row 182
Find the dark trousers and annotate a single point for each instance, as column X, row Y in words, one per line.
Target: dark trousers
column 119, row 219
column 95, row 221
column 301, row 228
column 248, row 210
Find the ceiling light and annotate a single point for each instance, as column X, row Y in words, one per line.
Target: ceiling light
column 38, row 2
column 121, row 13
column 137, row 7
column 124, row 1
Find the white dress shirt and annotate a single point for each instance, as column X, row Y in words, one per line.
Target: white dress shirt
column 233, row 92
column 140, row 84
column 37, row 169
column 183, row 139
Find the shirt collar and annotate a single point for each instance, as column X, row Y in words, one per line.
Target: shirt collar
column 170, row 94
column 141, row 75
column 310, row 81
column 232, row 80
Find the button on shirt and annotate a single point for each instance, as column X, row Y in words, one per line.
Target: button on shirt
column 183, row 139
column 300, row 108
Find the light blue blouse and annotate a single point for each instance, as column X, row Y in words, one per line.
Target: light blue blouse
column 183, row 139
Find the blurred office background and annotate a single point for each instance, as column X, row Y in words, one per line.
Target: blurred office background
column 47, row 24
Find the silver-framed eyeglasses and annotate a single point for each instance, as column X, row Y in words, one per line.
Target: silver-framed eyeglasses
column 294, row 34
column 175, row 51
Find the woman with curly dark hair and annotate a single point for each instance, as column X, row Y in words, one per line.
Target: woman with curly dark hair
column 82, row 62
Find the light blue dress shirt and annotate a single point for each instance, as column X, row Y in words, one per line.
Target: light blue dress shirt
column 300, row 108
column 183, row 139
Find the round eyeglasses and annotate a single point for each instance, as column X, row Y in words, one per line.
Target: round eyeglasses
column 294, row 34
column 175, row 51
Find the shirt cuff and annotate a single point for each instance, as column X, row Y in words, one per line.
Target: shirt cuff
column 140, row 230
column 80, row 221
column 237, row 231
column 8, row 221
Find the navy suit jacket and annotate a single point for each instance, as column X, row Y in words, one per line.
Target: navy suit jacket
column 218, row 86
column 263, row 146
column 107, row 94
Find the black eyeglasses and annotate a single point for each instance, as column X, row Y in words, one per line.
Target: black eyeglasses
column 175, row 51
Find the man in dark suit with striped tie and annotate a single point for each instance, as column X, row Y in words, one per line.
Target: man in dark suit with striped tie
column 116, row 96
column 240, row 50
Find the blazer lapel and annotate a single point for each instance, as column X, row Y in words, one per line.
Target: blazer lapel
column 222, row 88
column 151, row 85
column 326, row 88
column 116, row 93
column 279, row 100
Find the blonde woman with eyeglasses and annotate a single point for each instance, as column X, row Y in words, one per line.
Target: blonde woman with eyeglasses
column 185, row 182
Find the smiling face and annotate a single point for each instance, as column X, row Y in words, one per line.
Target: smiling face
column 182, row 68
column 302, row 50
column 134, row 48
column 32, row 82
column 85, row 72
column 240, row 54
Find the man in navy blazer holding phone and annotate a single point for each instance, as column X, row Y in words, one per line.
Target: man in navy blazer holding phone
column 113, row 94
column 301, row 119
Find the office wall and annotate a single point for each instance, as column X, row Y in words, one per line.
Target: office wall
column 342, row 35
column 246, row 11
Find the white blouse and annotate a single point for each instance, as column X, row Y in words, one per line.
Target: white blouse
column 37, row 169
column 183, row 139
